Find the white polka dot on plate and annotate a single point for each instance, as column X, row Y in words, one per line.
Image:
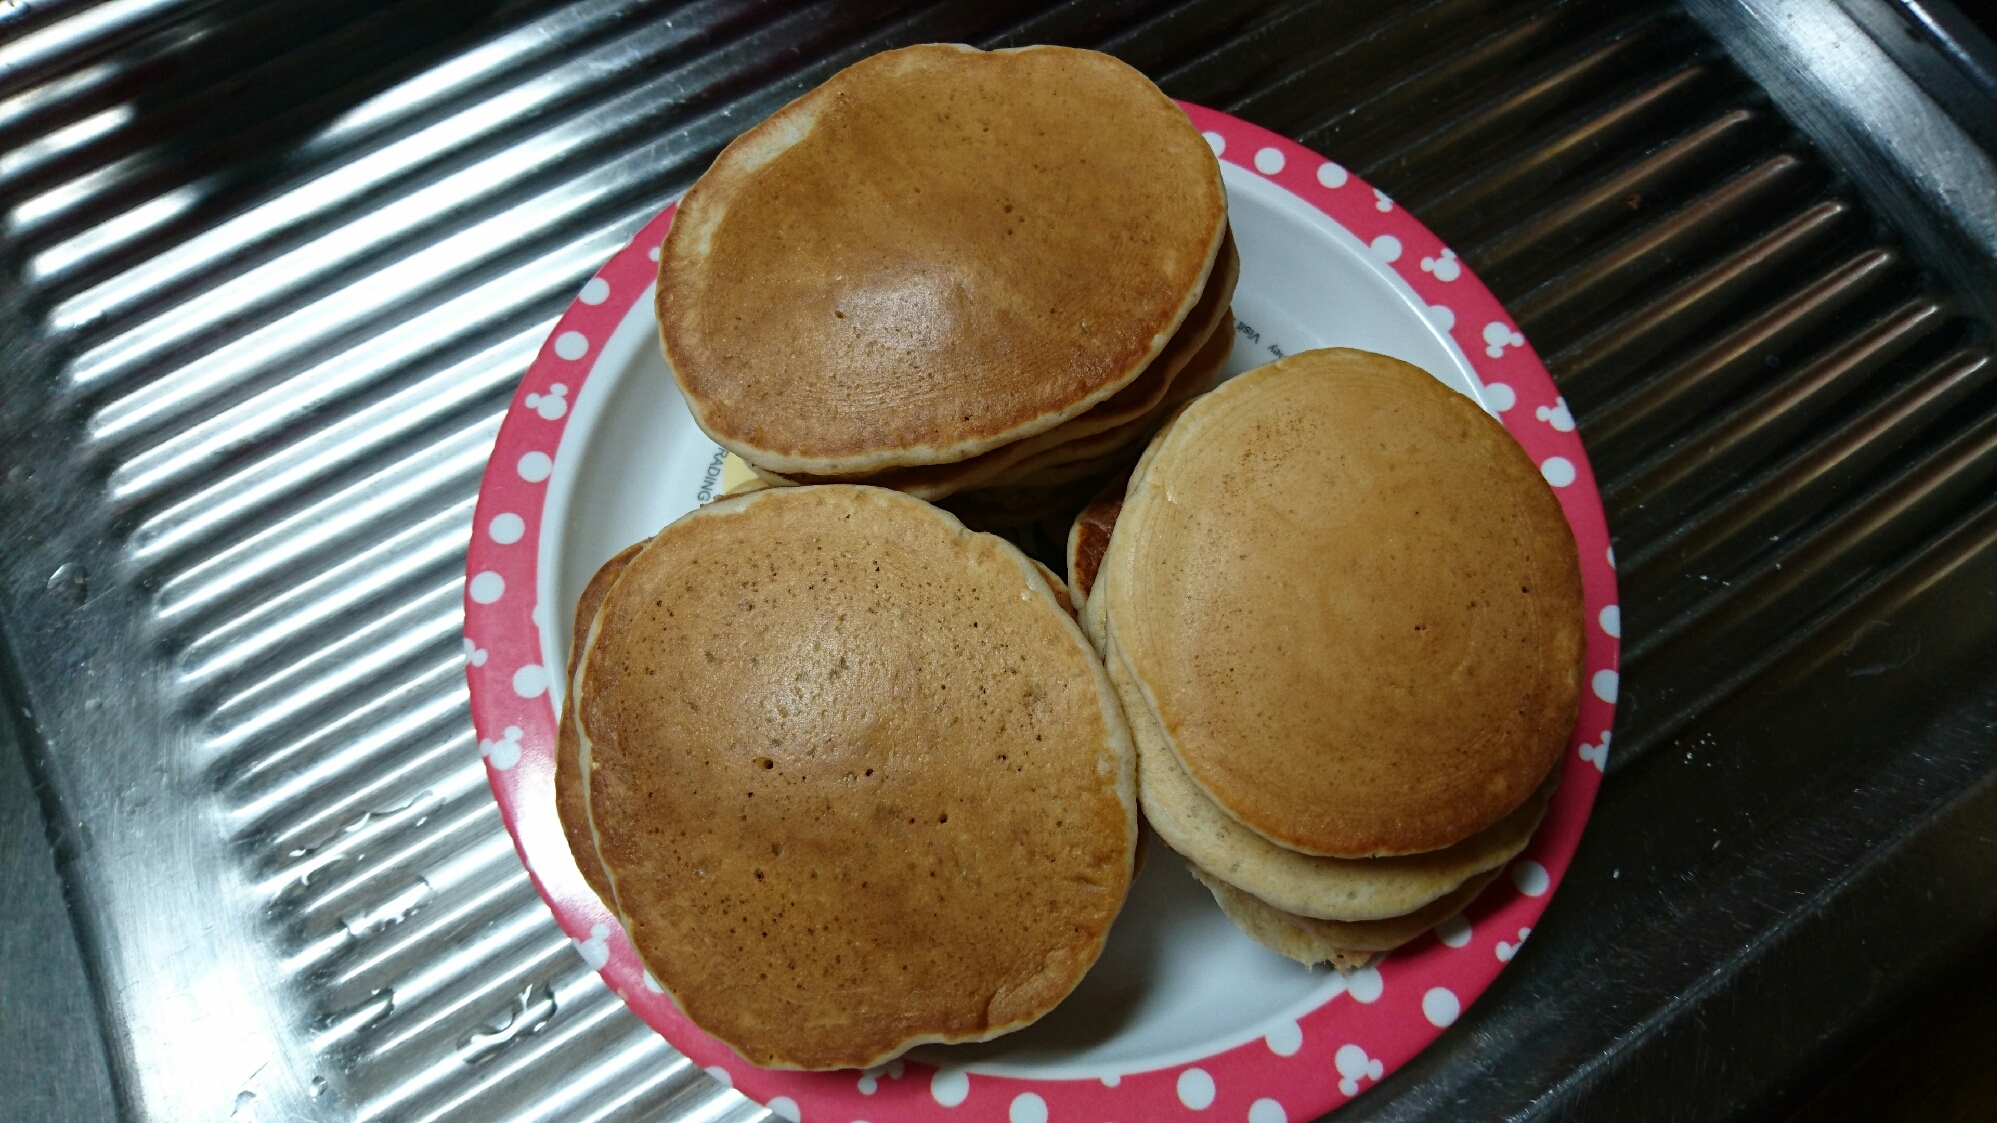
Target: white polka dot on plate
column 1365, row 984
column 535, row 467
column 1112, row 1080
column 1500, row 396
column 595, row 292
column 1530, row 877
column 571, row 345
column 1027, row 1108
column 1606, row 683
column 487, row 587
column 1442, row 316
column 1269, row 161
column 653, row 253
column 1285, row 1039
column 950, row 1086
column 507, row 528
column 720, row 1076
column 530, row 680
column 1558, row 470
column 1216, row 142
column 783, row 1107
column 1440, row 1006
column 1332, row 175
column 1454, row 932
column 1611, row 619
column 1266, row 1110
column 1196, row 1089
column 1387, row 248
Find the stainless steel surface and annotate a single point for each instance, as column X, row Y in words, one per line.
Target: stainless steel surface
column 52, row 1063
column 1901, row 147
column 274, row 270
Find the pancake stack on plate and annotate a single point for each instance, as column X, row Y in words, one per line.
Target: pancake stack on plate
column 955, row 273
column 1343, row 612
column 849, row 774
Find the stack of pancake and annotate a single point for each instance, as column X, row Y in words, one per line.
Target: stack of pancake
column 1343, row 612
column 849, row 774
column 981, row 276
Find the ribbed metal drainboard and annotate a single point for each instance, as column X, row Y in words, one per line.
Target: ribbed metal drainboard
column 280, row 272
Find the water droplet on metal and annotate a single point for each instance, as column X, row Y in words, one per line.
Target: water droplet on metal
column 530, row 1012
column 360, row 925
column 69, row 584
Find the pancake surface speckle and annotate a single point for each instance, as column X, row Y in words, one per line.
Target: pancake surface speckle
column 936, row 252
column 858, row 781
column 1353, row 604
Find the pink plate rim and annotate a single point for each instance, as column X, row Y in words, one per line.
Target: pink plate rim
column 1300, row 1069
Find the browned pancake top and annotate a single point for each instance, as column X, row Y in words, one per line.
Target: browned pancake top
column 936, row 252
column 1353, row 603
column 858, row 780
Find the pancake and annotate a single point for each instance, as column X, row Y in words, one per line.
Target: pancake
column 1059, row 587
column 1342, row 889
column 937, row 252
column 858, row 782
column 1344, row 945
column 568, row 766
column 1141, row 399
column 1089, row 535
column 1057, row 464
column 1353, row 604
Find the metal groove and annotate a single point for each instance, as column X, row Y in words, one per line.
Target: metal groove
column 1509, row 191
column 1372, row 64
column 1710, row 675
column 404, row 771
column 410, row 131
column 1619, row 197
column 379, row 503
column 1599, row 365
column 1627, row 427
column 1456, row 92
column 1769, row 419
column 1571, row 304
column 1871, row 535
column 1782, row 496
column 69, row 33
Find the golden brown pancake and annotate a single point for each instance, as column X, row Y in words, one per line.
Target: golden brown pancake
column 1310, row 941
column 1059, row 587
column 935, row 253
column 1339, row 889
column 1189, row 353
column 568, row 766
column 1089, row 535
column 857, row 780
column 1122, row 443
column 1353, row 604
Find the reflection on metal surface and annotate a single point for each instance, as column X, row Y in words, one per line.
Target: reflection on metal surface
column 267, row 309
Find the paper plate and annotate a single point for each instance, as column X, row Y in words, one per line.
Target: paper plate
column 1184, row 1017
